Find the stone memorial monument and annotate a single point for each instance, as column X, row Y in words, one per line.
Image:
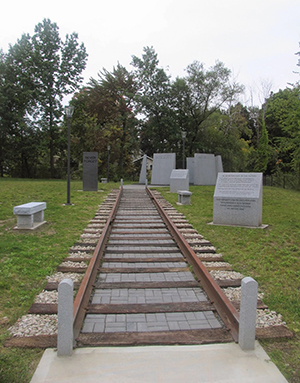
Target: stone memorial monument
column 143, row 173
column 90, row 171
column 179, row 180
column 163, row 164
column 219, row 164
column 238, row 199
column 205, row 172
column 190, row 164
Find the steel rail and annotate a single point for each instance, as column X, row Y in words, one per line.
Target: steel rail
column 83, row 295
column 224, row 307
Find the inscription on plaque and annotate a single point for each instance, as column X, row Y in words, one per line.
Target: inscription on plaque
column 238, row 199
column 90, row 171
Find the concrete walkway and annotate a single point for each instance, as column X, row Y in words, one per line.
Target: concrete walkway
column 222, row 363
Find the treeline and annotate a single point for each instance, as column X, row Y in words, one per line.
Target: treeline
column 123, row 114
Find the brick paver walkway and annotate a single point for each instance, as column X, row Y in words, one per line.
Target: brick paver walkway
column 139, row 233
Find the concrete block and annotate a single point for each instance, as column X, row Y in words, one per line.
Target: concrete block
column 184, row 197
column 190, row 164
column 248, row 314
column 219, row 164
column 205, row 171
column 90, row 171
column 30, row 215
column 238, row 199
column 65, row 318
column 163, row 164
column 143, row 173
column 179, row 180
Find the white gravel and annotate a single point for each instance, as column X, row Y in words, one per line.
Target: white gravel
column 80, row 255
column 73, row 264
column 47, row 297
column 209, row 255
column 234, row 293
column 216, row 264
column 58, row 277
column 34, row 325
column 228, row 275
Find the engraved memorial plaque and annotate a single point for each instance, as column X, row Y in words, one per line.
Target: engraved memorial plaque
column 90, row 171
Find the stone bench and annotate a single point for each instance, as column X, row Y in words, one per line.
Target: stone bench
column 30, row 215
column 184, row 197
column 103, row 180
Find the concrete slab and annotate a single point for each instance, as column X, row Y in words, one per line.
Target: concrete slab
column 222, row 363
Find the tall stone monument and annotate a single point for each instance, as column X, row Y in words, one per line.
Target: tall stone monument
column 90, row 171
column 163, row 164
column 143, row 173
column 238, row 199
column 190, row 164
column 219, row 164
column 205, row 171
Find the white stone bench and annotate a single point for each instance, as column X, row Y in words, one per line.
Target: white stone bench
column 184, row 197
column 104, row 180
column 30, row 215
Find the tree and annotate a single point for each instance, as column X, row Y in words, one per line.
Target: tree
column 198, row 95
column 263, row 151
column 57, row 69
column 158, row 130
column 18, row 144
column 111, row 100
column 282, row 121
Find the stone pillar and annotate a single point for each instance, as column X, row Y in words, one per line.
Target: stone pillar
column 65, row 318
column 248, row 314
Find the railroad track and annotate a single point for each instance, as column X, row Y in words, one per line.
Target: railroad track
column 145, row 282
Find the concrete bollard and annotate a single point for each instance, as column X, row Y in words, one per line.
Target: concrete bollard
column 121, row 182
column 65, row 318
column 248, row 314
column 146, row 183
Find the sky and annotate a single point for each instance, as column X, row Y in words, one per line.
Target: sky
column 257, row 40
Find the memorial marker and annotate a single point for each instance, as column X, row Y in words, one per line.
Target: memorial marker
column 205, row 169
column 90, row 171
column 238, row 199
column 179, row 180
column 143, row 173
column 163, row 164
column 190, row 164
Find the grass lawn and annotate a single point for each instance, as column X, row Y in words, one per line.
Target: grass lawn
column 26, row 258
column 271, row 256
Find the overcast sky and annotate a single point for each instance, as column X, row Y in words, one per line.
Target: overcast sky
column 256, row 39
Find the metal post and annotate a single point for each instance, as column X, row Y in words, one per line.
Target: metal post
column 69, row 110
column 69, row 167
column 108, row 158
column 183, row 149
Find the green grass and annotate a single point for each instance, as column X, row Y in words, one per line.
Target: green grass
column 271, row 256
column 26, row 258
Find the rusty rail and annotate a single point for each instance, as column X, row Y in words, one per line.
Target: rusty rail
column 83, row 295
column 224, row 307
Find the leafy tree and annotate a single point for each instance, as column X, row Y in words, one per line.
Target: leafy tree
column 158, row 129
column 198, row 95
column 57, row 69
column 263, row 151
column 17, row 93
column 282, row 121
column 111, row 100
